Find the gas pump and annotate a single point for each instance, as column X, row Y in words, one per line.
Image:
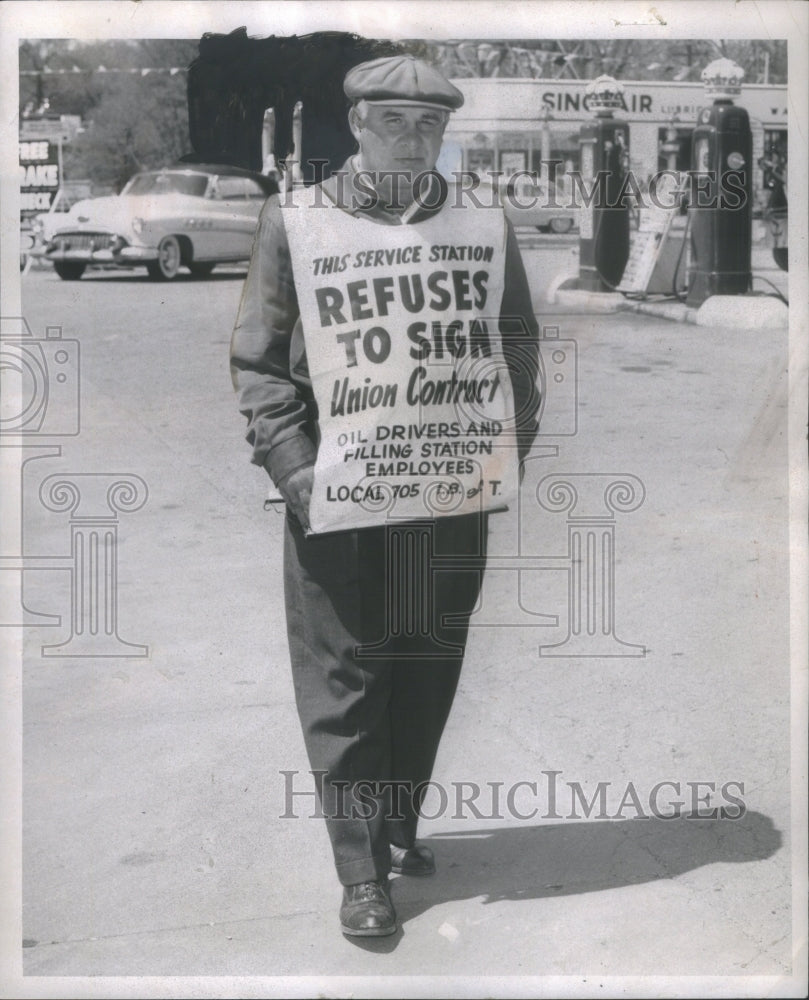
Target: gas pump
column 604, row 223
column 720, row 209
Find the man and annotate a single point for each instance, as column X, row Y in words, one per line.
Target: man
column 375, row 648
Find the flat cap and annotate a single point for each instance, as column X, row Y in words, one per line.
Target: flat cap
column 401, row 80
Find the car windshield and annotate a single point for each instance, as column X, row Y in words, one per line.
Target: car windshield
column 168, row 183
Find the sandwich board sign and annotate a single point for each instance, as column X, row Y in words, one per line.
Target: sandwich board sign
column 652, row 254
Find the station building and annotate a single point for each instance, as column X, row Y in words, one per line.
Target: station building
column 512, row 124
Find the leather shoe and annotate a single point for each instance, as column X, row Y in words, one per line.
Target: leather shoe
column 412, row 860
column 367, row 910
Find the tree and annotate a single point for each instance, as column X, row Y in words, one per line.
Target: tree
column 140, row 123
column 681, row 60
column 130, row 94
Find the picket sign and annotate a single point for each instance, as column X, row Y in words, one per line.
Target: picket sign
column 402, row 331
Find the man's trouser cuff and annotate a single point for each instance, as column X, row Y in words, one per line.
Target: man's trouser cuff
column 373, row 869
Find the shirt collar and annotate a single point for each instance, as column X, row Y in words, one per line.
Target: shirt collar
column 348, row 192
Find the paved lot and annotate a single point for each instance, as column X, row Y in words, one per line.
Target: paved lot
column 152, row 843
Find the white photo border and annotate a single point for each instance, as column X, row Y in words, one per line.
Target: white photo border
column 429, row 19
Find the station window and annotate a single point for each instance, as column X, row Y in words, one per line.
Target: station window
column 774, row 169
column 480, row 161
column 682, row 154
column 774, row 161
column 512, row 161
column 565, row 154
column 775, row 139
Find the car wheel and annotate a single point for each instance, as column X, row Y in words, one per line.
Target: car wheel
column 168, row 260
column 69, row 270
column 201, row 270
column 781, row 257
column 561, row 225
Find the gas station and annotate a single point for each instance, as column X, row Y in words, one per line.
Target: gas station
column 634, row 632
column 620, row 136
column 606, row 132
column 618, row 140
column 514, row 124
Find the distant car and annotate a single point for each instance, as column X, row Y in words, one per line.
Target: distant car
column 194, row 216
column 533, row 202
column 43, row 225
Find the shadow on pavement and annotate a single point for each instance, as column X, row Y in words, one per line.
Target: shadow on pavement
column 535, row 862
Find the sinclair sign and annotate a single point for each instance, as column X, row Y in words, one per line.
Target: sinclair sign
column 517, row 103
column 39, row 175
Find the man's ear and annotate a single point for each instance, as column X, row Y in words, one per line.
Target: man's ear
column 355, row 123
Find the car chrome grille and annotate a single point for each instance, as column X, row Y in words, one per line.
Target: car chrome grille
column 84, row 241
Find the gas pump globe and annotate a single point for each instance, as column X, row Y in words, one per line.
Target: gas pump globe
column 720, row 210
column 722, row 79
column 604, row 224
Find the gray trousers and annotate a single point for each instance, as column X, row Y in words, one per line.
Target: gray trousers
column 375, row 664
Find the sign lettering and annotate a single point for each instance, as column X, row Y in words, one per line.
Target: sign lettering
column 401, row 325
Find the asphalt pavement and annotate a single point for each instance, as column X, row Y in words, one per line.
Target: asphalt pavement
column 153, row 829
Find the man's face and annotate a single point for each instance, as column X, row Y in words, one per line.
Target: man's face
column 399, row 137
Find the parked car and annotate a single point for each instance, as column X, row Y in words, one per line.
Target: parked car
column 43, row 225
column 186, row 215
column 532, row 202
